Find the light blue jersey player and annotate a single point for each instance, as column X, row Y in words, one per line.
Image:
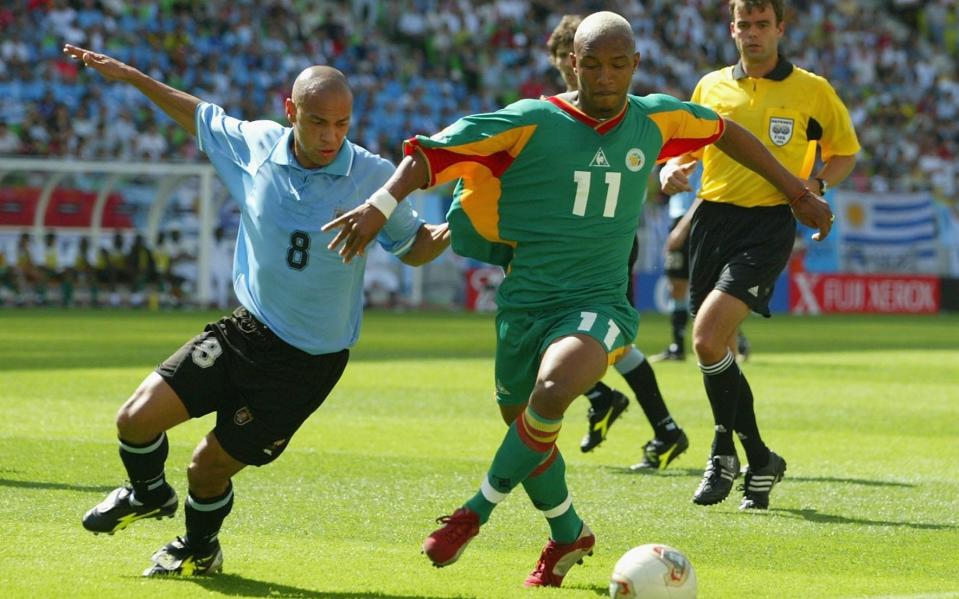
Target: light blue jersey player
column 281, row 260
column 264, row 369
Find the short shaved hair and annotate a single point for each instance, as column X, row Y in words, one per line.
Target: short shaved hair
column 316, row 79
column 604, row 24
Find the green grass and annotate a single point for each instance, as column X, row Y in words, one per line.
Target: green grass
column 865, row 410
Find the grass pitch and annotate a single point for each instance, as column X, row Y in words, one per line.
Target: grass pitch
column 864, row 409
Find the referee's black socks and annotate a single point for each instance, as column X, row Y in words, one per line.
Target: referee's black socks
column 723, row 382
column 748, row 431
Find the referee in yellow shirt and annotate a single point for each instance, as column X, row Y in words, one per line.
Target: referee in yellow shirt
column 743, row 228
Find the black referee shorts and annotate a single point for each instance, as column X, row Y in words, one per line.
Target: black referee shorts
column 261, row 388
column 740, row 251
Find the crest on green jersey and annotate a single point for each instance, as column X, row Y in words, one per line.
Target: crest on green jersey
column 599, row 159
column 635, row 159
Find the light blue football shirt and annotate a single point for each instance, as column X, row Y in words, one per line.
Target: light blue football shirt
column 283, row 272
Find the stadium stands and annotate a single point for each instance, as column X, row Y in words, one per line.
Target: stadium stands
column 418, row 64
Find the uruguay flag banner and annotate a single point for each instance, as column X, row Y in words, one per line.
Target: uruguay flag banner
column 888, row 233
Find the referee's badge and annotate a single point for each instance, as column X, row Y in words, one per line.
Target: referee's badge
column 780, row 130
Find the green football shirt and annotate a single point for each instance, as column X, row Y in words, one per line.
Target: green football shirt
column 555, row 195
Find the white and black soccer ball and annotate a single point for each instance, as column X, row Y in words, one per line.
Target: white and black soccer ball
column 653, row 571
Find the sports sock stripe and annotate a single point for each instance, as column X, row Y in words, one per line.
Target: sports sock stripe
column 719, row 367
column 142, row 450
column 630, row 361
column 489, row 493
column 536, row 432
column 209, row 507
column 545, row 464
column 560, row 509
column 542, row 424
column 157, row 482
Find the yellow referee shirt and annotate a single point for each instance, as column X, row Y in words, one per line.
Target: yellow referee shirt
column 789, row 110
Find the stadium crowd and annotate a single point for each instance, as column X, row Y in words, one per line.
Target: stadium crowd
column 418, row 64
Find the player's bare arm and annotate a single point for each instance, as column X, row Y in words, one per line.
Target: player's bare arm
column 673, row 179
column 431, row 241
column 359, row 226
column 743, row 147
column 677, row 237
column 179, row 106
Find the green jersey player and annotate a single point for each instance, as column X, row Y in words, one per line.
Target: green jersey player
column 606, row 404
column 552, row 189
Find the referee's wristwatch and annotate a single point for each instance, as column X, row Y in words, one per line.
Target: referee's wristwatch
column 823, row 186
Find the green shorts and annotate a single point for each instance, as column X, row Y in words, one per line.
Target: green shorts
column 523, row 336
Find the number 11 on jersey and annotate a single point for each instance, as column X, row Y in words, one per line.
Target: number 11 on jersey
column 588, row 320
column 582, row 180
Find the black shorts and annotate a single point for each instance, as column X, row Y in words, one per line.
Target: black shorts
column 677, row 263
column 261, row 388
column 740, row 251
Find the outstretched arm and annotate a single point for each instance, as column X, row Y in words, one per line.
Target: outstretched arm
column 743, row 147
column 359, row 226
column 179, row 106
column 431, row 241
column 677, row 237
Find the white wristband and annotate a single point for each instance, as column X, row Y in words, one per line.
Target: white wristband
column 663, row 176
column 383, row 201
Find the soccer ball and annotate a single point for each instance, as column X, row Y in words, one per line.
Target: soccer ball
column 653, row 571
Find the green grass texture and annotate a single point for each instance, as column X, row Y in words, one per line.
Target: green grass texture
column 864, row 409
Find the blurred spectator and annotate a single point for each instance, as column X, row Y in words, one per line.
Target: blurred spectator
column 150, row 145
column 27, row 265
column 416, row 63
column 381, row 283
column 9, row 141
column 118, row 268
column 166, row 285
column 141, row 267
column 182, row 269
column 81, row 270
column 8, row 280
column 52, row 271
column 221, row 269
